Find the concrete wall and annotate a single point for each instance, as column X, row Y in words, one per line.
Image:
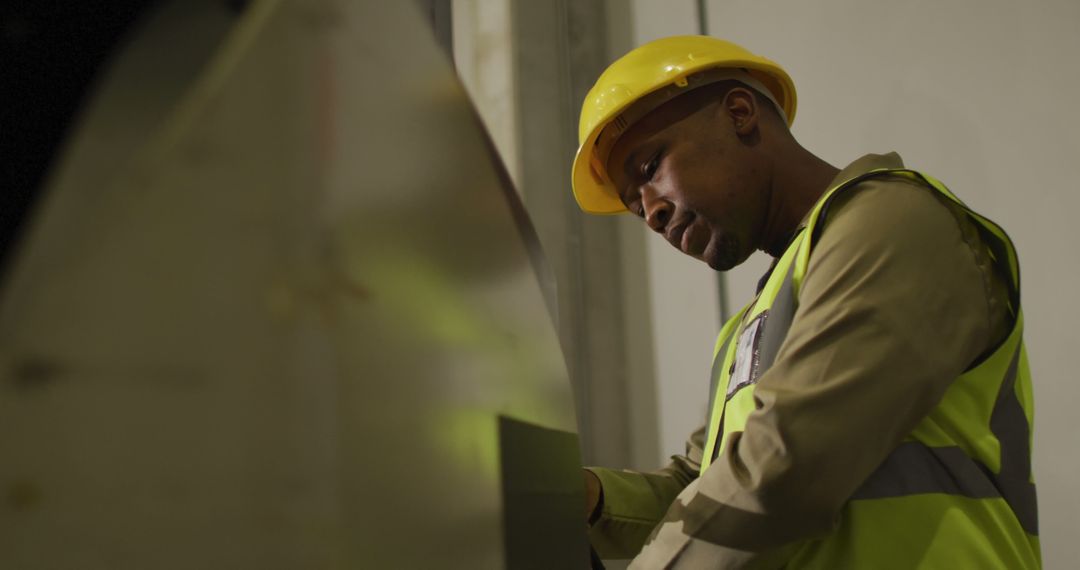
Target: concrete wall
column 982, row 94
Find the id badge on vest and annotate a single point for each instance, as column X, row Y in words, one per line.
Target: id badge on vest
column 745, row 368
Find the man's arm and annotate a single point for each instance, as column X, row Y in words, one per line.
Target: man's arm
column 633, row 503
column 894, row 306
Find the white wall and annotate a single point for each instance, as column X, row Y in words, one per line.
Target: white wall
column 983, row 95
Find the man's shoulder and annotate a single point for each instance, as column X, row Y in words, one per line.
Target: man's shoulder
column 891, row 221
column 888, row 202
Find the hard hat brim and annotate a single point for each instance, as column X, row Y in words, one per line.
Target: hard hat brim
column 593, row 194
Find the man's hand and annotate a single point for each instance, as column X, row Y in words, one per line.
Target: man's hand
column 592, row 493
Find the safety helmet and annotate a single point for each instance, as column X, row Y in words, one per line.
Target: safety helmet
column 653, row 74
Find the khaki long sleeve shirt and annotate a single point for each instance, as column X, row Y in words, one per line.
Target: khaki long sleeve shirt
column 900, row 297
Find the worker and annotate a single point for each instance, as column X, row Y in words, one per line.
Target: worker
column 871, row 407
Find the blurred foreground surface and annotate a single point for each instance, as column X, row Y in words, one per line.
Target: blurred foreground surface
column 280, row 308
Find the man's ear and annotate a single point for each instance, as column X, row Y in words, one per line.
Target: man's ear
column 741, row 108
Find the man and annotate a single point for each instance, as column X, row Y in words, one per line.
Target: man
column 871, row 407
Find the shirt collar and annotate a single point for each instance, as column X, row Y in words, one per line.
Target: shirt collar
column 860, row 166
column 865, row 164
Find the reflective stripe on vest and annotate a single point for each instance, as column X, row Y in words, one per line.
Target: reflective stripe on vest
column 963, row 462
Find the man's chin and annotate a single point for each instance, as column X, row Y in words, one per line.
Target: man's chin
column 725, row 256
column 724, row 264
column 719, row 266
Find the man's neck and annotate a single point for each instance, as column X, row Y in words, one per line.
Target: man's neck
column 798, row 182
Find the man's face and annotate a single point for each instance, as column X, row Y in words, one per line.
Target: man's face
column 693, row 176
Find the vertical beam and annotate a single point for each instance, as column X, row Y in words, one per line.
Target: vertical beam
column 563, row 47
column 437, row 13
column 528, row 66
column 639, row 381
column 483, row 45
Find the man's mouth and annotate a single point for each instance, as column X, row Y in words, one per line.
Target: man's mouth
column 677, row 234
column 689, row 238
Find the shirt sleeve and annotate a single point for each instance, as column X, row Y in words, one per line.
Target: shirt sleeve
column 892, row 309
column 633, row 502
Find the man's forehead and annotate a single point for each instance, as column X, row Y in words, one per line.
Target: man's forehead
column 621, row 158
column 654, row 124
column 645, row 107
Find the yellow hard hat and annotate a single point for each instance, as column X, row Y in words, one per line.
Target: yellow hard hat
column 653, row 74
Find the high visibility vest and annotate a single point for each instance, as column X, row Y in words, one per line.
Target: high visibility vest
column 959, row 491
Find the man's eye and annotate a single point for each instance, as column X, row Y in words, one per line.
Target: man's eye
column 649, row 168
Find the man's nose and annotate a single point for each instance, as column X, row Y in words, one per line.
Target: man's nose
column 657, row 210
